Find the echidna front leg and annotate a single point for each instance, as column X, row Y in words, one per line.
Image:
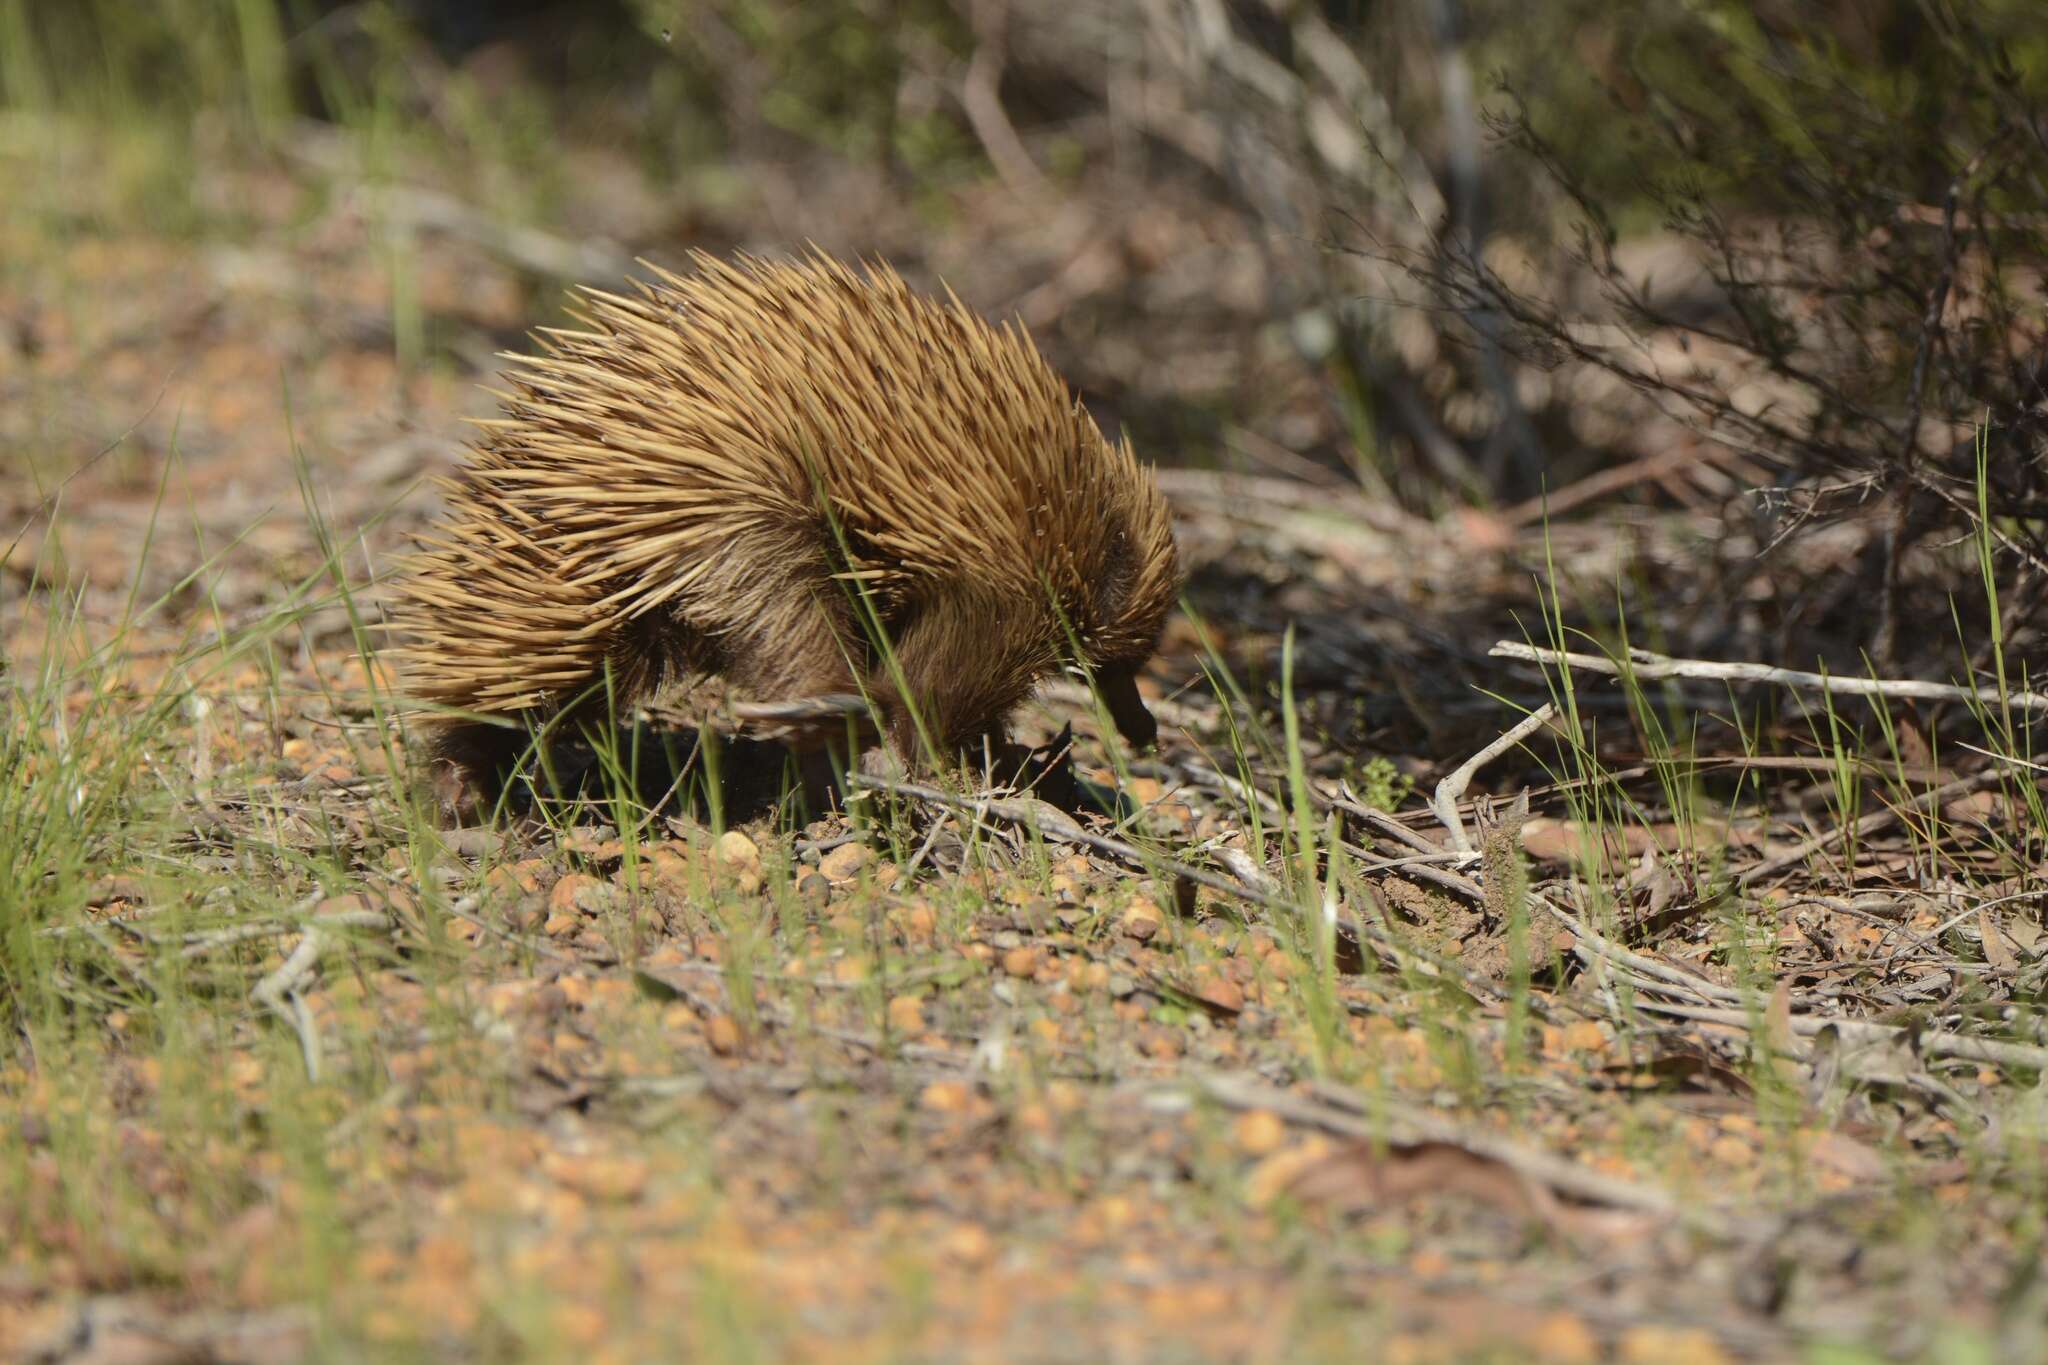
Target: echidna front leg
column 797, row 647
column 469, row 766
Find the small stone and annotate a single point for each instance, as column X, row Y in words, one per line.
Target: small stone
column 669, row 868
column 945, row 1097
column 1649, row 1342
column 504, row 883
column 1219, row 990
column 618, row 1179
column 567, row 897
column 906, row 1014
column 735, row 852
column 971, row 1245
column 1258, row 1132
column 1020, row 961
column 845, row 862
column 813, row 891
column 1160, row 1044
column 722, row 1034
column 1564, row 1339
column 1141, row 920
column 1585, row 1035
column 472, row 842
column 917, row 922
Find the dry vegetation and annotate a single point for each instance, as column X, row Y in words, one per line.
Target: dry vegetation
column 1425, row 997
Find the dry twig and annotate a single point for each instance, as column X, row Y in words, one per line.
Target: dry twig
column 1644, row 664
column 1452, row 789
column 278, row 992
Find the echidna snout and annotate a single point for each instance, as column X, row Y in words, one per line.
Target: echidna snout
column 805, row 479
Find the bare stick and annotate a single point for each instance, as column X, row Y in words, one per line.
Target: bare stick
column 1643, row 664
column 279, row 993
column 1858, row 1032
column 1589, row 946
column 1452, row 789
column 1247, row 870
column 827, row 707
column 200, row 944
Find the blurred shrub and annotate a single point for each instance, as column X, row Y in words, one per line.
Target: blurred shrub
column 171, row 57
column 1862, row 190
column 859, row 77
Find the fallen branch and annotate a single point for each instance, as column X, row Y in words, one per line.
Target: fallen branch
column 278, row 992
column 828, row 707
column 200, row 944
column 1452, row 789
column 1643, row 664
column 1589, row 946
column 1860, row 1033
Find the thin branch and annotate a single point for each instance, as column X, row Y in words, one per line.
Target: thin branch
column 1857, row 1032
column 278, row 992
column 1644, row 664
column 1452, row 788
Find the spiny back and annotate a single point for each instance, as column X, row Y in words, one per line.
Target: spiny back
column 679, row 449
column 948, row 446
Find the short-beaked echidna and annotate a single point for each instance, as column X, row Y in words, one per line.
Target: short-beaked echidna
column 744, row 472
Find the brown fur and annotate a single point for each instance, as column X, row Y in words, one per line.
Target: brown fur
column 654, row 502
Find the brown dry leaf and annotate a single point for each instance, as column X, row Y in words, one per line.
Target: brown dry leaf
column 1856, row 1161
column 1207, row 989
column 617, row 1179
column 1998, row 950
column 1683, row 1063
column 1359, row 1176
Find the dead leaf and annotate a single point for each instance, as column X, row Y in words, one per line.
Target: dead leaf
column 1362, row 1176
column 1998, row 951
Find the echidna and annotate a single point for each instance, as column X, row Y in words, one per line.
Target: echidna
column 744, row 473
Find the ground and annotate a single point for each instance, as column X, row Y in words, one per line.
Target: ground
column 1700, row 1027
